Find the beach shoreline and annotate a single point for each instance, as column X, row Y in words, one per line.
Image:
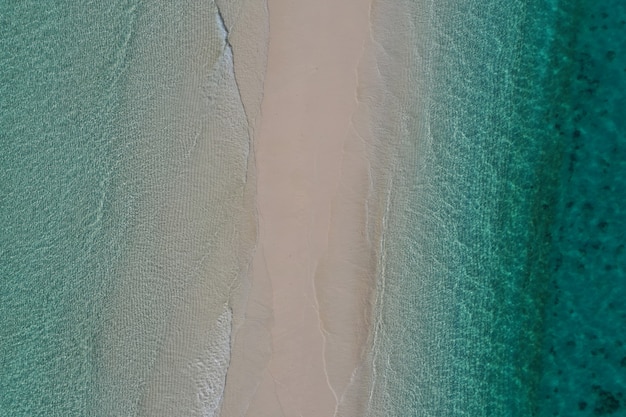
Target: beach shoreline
column 301, row 345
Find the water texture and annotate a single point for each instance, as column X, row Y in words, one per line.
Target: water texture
column 61, row 238
column 584, row 357
column 124, row 152
column 504, row 213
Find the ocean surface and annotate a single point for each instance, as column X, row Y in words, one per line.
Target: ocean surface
column 126, row 223
column 116, row 273
column 504, row 268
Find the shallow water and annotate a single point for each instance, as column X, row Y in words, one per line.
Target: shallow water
column 480, row 213
column 124, row 225
column 61, row 67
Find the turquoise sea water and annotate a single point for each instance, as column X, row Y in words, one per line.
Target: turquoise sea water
column 115, row 271
column 503, row 261
column 583, row 352
column 504, row 258
column 60, row 241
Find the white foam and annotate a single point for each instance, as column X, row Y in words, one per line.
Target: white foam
column 210, row 369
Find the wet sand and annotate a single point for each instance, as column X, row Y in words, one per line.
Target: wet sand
column 300, row 347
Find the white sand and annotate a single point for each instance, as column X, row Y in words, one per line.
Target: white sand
column 305, row 331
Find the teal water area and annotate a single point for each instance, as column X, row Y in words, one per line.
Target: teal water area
column 584, row 352
column 123, row 158
column 499, row 187
column 60, row 67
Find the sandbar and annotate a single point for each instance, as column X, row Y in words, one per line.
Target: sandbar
column 301, row 349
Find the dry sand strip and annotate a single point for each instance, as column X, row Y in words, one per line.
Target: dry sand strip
column 306, row 324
